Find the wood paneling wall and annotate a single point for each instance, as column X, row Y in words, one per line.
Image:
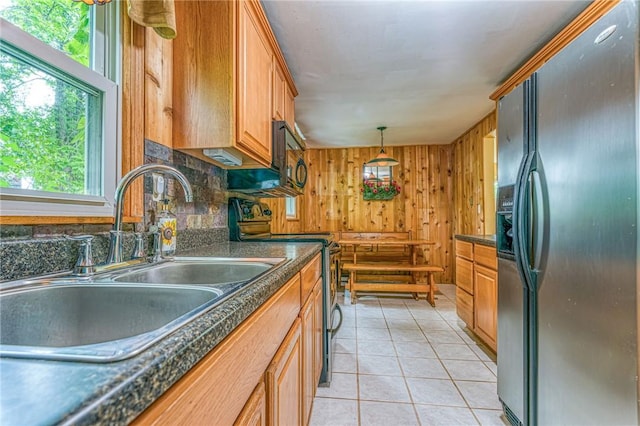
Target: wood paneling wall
column 442, row 187
column 468, row 217
column 332, row 200
column 158, row 82
column 279, row 221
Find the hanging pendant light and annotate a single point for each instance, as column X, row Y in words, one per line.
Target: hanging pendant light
column 382, row 159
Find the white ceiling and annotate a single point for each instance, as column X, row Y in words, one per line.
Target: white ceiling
column 424, row 69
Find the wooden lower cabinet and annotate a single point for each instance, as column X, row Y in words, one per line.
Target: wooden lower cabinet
column 486, row 304
column 477, row 289
column 254, row 412
column 311, row 316
column 464, row 306
column 318, row 317
column 308, row 358
column 464, row 274
column 284, row 381
column 464, row 290
column 216, row 389
column 264, row 373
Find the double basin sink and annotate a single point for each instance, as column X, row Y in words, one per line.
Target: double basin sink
column 117, row 314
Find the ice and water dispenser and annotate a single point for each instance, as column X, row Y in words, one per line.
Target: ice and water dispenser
column 504, row 222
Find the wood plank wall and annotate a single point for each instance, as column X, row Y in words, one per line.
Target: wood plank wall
column 441, row 188
column 468, row 213
column 332, row 201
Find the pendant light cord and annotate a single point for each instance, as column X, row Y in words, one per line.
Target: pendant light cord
column 382, row 129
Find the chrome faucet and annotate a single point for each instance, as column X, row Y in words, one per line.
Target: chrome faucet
column 115, row 242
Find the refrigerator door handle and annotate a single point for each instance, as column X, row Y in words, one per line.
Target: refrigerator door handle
column 516, row 219
column 522, row 222
column 537, row 210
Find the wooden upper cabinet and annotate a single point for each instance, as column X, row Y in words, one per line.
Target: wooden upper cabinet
column 254, row 79
column 279, row 89
column 223, row 80
column 289, row 107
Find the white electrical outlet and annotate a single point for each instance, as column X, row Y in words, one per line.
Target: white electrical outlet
column 158, row 186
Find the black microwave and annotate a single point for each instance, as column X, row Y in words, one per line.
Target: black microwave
column 287, row 175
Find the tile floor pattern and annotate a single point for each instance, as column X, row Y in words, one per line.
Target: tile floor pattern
column 399, row 361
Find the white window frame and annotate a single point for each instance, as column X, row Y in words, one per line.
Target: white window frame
column 291, row 203
column 104, row 78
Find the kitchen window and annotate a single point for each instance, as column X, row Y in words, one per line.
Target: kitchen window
column 291, row 208
column 59, row 108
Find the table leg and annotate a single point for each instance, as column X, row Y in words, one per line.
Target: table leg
column 352, row 287
column 432, row 285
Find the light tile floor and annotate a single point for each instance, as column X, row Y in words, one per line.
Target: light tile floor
column 399, row 361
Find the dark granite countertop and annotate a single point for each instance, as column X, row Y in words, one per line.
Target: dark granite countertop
column 485, row 240
column 61, row 392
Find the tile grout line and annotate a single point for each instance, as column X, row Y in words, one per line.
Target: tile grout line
column 413, row 321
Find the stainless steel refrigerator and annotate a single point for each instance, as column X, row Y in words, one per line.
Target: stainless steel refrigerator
column 567, row 233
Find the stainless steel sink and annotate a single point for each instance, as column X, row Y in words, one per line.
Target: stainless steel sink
column 95, row 322
column 207, row 271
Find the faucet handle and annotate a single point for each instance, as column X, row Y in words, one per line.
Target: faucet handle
column 84, row 265
column 138, row 248
column 157, row 243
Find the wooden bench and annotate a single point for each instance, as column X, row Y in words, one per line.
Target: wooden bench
column 423, row 279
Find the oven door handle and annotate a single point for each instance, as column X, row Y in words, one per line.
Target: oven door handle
column 335, row 329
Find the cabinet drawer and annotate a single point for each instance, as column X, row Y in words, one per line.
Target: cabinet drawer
column 310, row 274
column 464, row 249
column 464, row 307
column 464, row 274
column 486, row 256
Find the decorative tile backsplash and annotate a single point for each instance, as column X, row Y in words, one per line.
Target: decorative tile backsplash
column 209, row 183
column 42, row 249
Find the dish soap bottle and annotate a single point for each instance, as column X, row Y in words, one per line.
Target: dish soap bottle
column 168, row 223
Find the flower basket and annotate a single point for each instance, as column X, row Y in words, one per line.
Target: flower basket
column 376, row 190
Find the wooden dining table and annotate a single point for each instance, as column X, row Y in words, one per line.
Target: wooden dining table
column 412, row 244
column 421, row 276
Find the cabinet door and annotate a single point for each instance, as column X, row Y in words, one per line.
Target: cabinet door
column 309, row 277
column 289, row 107
column 284, row 381
column 308, row 358
column 254, row 85
column 254, row 412
column 279, row 91
column 318, row 318
column 486, row 304
column 203, row 78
